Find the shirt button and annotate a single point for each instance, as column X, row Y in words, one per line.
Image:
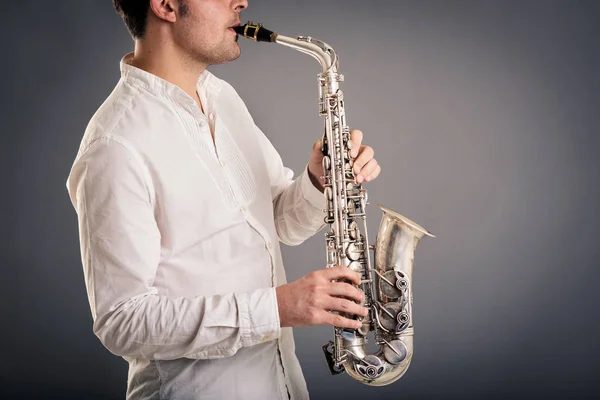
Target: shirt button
column 270, row 245
column 211, row 116
column 222, row 163
column 243, row 208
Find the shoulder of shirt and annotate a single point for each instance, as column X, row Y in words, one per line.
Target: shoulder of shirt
column 116, row 117
column 108, row 128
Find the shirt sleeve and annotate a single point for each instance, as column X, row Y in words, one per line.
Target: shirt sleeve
column 120, row 248
column 297, row 204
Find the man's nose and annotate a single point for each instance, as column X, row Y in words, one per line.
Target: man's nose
column 239, row 5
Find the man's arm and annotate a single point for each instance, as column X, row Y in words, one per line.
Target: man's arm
column 297, row 204
column 120, row 247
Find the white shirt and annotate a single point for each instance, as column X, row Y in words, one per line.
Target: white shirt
column 180, row 240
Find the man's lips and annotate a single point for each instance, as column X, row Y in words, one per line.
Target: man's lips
column 232, row 26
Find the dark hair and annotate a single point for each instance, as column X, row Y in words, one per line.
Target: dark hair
column 134, row 14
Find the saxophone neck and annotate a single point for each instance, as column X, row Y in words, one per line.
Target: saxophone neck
column 317, row 49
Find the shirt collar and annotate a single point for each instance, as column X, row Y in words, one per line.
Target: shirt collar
column 207, row 82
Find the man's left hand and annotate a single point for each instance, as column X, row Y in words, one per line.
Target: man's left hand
column 365, row 166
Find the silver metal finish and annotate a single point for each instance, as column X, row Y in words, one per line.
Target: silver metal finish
column 388, row 286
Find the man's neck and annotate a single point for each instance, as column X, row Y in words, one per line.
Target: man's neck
column 167, row 63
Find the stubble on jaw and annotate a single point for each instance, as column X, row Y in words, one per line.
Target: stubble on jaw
column 220, row 53
column 184, row 8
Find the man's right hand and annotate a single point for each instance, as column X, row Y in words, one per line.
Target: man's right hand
column 308, row 300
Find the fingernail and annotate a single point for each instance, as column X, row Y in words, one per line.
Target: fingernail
column 358, row 325
column 359, row 178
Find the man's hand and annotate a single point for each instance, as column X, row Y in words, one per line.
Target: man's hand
column 365, row 166
column 308, row 300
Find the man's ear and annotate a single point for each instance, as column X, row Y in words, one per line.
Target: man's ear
column 164, row 9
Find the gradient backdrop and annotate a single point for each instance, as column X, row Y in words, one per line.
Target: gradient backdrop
column 484, row 115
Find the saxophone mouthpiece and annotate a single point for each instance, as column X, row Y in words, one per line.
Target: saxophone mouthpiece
column 255, row 32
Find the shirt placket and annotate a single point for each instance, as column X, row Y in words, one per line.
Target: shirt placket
column 258, row 229
column 209, row 121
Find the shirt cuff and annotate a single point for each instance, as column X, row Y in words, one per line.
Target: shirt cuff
column 313, row 195
column 259, row 316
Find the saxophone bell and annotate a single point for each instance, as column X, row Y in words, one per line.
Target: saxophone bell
column 394, row 250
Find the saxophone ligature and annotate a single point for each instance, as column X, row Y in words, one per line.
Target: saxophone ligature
column 388, row 286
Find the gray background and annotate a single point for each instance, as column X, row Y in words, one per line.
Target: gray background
column 484, row 116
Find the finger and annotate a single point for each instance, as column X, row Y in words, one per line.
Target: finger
column 356, row 137
column 347, row 306
column 316, row 154
column 367, row 170
column 340, row 322
column 342, row 272
column 364, row 156
column 342, row 289
column 374, row 174
column 317, row 145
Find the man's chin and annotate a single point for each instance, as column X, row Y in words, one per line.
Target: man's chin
column 230, row 57
column 236, row 56
column 237, row 53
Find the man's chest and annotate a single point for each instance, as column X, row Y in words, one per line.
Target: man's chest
column 205, row 175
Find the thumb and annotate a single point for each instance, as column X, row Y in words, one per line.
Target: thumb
column 317, row 155
column 318, row 144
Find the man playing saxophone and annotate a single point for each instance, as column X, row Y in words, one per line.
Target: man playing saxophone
column 182, row 202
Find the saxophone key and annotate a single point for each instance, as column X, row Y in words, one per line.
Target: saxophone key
column 388, row 285
column 395, row 352
column 371, row 368
column 356, row 266
column 326, row 163
column 388, row 315
column 351, row 207
column 353, row 230
column 353, row 252
column 328, row 193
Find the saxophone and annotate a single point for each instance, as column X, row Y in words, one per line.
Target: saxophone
column 388, row 286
